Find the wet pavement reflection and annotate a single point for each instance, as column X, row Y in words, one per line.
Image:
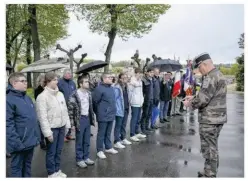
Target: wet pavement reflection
column 171, row 151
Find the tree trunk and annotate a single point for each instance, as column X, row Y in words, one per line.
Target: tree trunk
column 71, row 58
column 111, row 35
column 28, row 56
column 17, row 50
column 35, row 36
column 8, row 45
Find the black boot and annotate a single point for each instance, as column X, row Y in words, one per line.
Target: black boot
column 162, row 121
column 166, row 120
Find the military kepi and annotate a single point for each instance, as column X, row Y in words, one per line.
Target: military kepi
column 200, row 58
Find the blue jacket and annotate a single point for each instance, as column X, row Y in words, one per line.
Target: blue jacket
column 104, row 103
column 119, row 100
column 67, row 87
column 22, row 128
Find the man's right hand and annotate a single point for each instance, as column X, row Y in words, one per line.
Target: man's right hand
column 50, row 139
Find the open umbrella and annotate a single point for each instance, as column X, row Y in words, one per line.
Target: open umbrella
column 44, row 65
column 91, row 66
column 166, row 65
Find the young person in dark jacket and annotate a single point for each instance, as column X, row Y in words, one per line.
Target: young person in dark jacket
column 22, row 130
column 82, row 117
column 37, row 91
column 66, row 85
column 105, row 109
column 165, row 97
column 148, row 101
column 156, row 100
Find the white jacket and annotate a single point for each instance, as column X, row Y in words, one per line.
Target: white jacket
column 136, row 92
column 51, row 111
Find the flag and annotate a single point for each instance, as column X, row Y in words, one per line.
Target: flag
column 177, row 85
column 188, row 81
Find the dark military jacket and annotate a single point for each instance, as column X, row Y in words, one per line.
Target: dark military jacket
column 211, row 99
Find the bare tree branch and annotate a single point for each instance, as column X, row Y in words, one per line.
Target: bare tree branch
column 76, row 49
column 61, row 49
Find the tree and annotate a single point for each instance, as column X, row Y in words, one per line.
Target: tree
column 52, row 21
column 14, row 28
column 234, row 69
column 35, row 35
column 240, row 61
column 70, row 54
column 124, row 20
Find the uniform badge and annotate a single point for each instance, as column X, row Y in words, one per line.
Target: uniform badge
column 205, row 82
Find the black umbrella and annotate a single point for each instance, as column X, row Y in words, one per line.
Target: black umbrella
column 166, row 65
column 8, row 67
column 91, row 66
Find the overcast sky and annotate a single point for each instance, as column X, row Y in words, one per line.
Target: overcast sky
column 185, row 30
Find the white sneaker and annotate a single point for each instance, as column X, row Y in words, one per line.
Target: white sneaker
column 119, row 145
column 101, row 155
column 112, row 151
column 81, row 164
column 126, row 142
column 61, row 174
column 54, row 175
column 140, row 136
column 134, row 138
column 89, row 162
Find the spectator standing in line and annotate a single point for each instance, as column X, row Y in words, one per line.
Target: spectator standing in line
column 66, row 85
column 22, row 132
column 105, row 109
column 53, row 117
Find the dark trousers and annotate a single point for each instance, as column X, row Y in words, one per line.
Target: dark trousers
column 21, row 163
column 163, row 109
column 169, row 109
column 54, row 150
column 104, row 135
column 146, row 115
column 83, row 139
column 117, row 130
column 135, row 121
column 124, row 124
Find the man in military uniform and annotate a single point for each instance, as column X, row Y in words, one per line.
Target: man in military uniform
column 211, row 103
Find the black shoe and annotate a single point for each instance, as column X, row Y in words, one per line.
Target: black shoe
column 200, row 174
column 154, row 127
column 178, row 114
column 91, row 134
column 162, row 121
column 166, row 120
column 145, row 132
column 149, row 129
